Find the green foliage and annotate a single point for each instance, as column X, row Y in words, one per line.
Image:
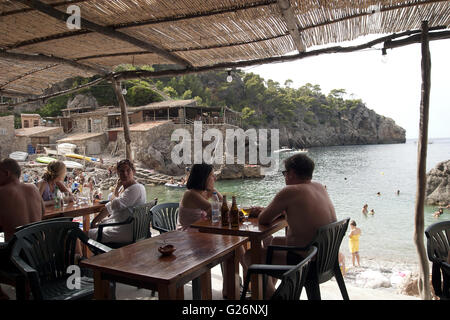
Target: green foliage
column 187, row 95
column 54, row 106
column 141, row 94
column 199, row 100
column 171, row 92
column 310, row 118
column 261, row 102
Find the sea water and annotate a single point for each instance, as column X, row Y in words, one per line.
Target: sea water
column 353, row 176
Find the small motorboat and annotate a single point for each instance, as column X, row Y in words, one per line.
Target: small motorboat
column 175, row 185
column 73, row 165
column 283, row 149
column 19, row 155
column 301, row 151
column 45, row 159
column 81, row 157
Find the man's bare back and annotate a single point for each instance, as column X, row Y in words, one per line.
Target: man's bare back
column 21, row 204
column 307, row 207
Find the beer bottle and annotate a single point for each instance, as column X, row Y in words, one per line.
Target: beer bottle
column 234, row 214
column 224, row 212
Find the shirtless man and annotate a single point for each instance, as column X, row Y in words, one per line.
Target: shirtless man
column 21, row 204
column 305, row 204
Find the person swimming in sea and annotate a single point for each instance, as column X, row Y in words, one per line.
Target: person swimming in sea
column 438, row 213
column 365, row 209
column 372, row 212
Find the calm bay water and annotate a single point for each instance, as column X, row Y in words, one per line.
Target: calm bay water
column 353, row 176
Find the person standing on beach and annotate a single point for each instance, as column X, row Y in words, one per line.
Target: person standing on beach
column 353, row 243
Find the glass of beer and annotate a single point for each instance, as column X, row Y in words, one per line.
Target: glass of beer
column 246, row 213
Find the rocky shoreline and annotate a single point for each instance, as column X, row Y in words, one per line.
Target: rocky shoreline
column 104, row 180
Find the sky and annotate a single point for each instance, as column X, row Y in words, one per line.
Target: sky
column 390, row 88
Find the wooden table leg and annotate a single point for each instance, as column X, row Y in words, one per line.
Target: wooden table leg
column 101, row 287
column 231, row 275
column 86, row 224
column 180, row 293
column 167, row 292
column 256, row 280
column 205, row 285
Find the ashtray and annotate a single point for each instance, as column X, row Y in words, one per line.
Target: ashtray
column 167, row 250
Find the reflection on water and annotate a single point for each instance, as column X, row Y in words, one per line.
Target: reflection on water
column 353, row 176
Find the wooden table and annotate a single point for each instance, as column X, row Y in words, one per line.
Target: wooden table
column 255, row 232
column 140, row 264
column 82, row 210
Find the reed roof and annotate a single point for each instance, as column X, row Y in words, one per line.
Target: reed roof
column 37, row 49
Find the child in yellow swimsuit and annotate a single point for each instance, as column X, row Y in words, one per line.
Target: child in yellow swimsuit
column 353, row 243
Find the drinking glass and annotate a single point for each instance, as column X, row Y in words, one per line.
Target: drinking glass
column 66, row 198
column 246, row 213
column 75, row 199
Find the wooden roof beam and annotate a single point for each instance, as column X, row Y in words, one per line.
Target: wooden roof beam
column 126, row 75
column 107, row 31
column 55, row 4
column 14, row 94
column 51, row 59
column 291, row 22
column 205, row 14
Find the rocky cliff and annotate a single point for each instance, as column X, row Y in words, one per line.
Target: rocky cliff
column 438, row 184
column 358, row 125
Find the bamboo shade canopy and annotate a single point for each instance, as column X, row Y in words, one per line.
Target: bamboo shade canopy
column 188, row 33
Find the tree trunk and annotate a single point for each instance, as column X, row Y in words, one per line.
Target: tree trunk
column 424, row 282
column 124, row 115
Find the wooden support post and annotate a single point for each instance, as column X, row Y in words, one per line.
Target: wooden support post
column 424, row 281
column 124, row 116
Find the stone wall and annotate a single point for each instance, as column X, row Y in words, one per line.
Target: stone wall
column 21, row 142
column 7, row 136
column 153, row 148
column 85, row 145
column 99, row 123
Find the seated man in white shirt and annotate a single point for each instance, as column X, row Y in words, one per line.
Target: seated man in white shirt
column 127, row 194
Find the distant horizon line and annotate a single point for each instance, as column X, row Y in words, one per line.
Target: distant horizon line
column 429, row 138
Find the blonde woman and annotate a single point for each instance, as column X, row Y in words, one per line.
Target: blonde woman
column 52, row 178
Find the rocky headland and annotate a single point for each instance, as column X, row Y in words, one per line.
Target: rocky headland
column 438, row 184
column 352, row 126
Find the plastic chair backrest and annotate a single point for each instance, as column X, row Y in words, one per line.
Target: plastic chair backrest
column 142, row 217
column 49, row 248
column 328, row 240
column 165, row 216
column 292, row 281
column 438, row 241
column 67, row 219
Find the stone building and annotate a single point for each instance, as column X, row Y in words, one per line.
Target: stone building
column 89, row 122
column 7, row 136
column 36, row 137
column 30, row 120
column 87, row 143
